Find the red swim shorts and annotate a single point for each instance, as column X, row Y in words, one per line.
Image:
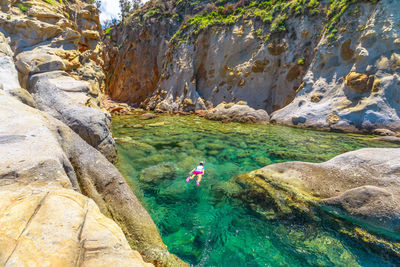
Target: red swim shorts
column 197, row 172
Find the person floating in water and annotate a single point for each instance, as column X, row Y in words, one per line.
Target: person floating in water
column 199, row 171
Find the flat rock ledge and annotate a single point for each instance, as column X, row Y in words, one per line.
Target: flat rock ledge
column 48, row 225
column 239, row 112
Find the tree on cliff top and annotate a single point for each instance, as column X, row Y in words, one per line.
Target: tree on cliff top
column 127, row 7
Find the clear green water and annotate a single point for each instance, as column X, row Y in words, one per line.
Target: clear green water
column 207, row 229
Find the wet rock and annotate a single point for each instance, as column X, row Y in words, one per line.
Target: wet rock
column 237, row 113
column 362, row 186
column 391, row 139
column 384, row 132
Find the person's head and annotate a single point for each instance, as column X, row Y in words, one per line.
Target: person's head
column 201, row 163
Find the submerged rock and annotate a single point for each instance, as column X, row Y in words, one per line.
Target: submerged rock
column 237, row 113
column 391, row 139
column 147, row 116
column 158, row 173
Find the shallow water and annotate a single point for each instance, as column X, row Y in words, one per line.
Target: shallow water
column 206, row 229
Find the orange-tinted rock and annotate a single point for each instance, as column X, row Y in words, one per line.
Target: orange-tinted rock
column 360, row 83
column 345, row 51
column 316, row 98
column 276, row 49
column 332, row 119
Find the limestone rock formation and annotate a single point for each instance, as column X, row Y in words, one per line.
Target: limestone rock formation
column 362, row 186
column 58, row 64
column 327, row 65
column 356, row 74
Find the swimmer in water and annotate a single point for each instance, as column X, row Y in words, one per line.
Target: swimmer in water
column 199, row 171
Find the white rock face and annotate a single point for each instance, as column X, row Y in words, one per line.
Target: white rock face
column 332, row 99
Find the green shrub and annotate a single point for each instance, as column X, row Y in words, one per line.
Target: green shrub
column 301, row 61
column 23, row 7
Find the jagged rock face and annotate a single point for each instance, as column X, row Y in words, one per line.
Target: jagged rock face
column 56, row 47
column 356, row 78
column 308, row 74
column 133, row 69
column 223, row 63
column 231, row 63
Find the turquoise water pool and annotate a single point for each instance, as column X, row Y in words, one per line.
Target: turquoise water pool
column 208, row 229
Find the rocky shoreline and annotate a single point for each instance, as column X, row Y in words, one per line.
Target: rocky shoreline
column 62, row 200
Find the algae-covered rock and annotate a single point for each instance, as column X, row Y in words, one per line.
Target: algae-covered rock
column 158, row 173
column 360, row 186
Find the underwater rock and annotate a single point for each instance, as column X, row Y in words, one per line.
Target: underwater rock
column 391, row 139
column 147, row 116
column 158, row 173
column 237, row 113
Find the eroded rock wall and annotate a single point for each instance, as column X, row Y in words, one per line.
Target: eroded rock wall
column 353, row 82
column 327, row 68
column 56, row 48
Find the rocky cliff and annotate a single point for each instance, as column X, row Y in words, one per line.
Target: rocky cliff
column 57, row 184
column 323, row 64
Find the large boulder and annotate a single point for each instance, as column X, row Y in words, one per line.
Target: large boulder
column 237, row 112
column 362, row 186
